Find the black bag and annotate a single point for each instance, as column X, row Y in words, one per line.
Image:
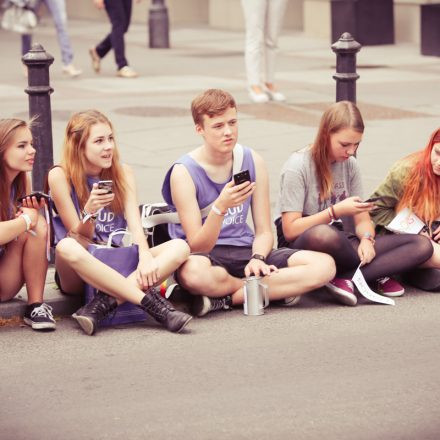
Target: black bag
column 155, row 233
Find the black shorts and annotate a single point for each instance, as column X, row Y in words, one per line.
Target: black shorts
column 235, row 258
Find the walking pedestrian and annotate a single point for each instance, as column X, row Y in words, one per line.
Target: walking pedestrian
column 119, row 13
column 263, row 20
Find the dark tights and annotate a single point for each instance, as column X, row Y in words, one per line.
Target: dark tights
column 394, row 253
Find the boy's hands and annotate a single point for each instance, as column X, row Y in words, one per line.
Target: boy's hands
column 234, row 195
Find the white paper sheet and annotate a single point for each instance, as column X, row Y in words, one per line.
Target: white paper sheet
column 364, row 289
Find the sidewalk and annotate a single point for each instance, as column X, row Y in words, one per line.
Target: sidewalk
column 398, row 93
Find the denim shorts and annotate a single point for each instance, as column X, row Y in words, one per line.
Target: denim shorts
column 235, row 258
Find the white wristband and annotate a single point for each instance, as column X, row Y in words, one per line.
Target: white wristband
column 217, row 211
column 28, row 221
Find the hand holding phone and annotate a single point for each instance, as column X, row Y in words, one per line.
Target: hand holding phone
column 37, row 194
column 106, row 184
column 241, row 177
column 373, row 199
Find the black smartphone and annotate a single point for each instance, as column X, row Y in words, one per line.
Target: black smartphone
column 241, row 177
column 373, row 199
column 106, row 184
column 37, row 194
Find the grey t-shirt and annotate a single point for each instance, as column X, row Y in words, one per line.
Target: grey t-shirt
column 299, row 188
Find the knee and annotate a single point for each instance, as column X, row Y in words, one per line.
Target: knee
column 321, row 237
column 69, row 250
column 180, row 251
column 190, row 274
column 325, row 267
column 426, row 247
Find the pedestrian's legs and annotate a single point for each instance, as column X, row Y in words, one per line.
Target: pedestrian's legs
column 254, row 14
column 274, row 21
column 57, row 8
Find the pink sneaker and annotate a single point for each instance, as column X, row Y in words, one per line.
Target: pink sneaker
column 389, row 287
column 343, row 290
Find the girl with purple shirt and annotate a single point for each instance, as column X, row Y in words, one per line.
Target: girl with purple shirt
column 90, row 155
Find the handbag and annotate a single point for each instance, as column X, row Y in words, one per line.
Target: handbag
column 156, row 216
column 124, row 260
column 18, row 16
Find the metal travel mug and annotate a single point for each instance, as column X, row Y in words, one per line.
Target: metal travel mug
column 256, row 297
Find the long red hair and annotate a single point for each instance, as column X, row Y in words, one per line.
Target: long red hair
column 8, row 128
column 422, row 187
column 343, row 114
column 73, row 159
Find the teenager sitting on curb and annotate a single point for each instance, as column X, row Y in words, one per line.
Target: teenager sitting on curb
column 90, row 155
column 23, row 232
column 414, row 183
column 320, row 186
column 225, row 247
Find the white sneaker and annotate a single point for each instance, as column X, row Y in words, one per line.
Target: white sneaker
column 71, row 70
column 258, row 98
column 127, row 72
column 289, row 302
column 275, row 96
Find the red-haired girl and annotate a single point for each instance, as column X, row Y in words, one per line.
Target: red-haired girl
column 23, row 231
column 414, row 183
column 320, row 190
column 90, row 155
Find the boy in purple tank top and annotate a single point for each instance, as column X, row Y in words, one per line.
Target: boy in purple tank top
column 225, row 249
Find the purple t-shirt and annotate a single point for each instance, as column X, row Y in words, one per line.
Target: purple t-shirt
column 235, row 231
column 106, row 223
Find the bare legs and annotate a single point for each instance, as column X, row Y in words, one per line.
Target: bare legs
column 75, row 266
column 25, row 262
column 306, row 271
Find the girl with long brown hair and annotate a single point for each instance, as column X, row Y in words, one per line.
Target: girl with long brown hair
column 414, row 183
column 321, row 190
column 23, row 231
column 90, row 155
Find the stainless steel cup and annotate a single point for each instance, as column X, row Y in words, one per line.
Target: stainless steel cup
column 256, row 297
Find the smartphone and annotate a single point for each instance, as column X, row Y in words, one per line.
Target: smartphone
column 241, row 177
column 373, row 199
column 106, row 184
column 37, row 194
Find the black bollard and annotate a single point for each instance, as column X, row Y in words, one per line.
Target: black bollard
column 346, row 48
column 38, row 61
column 158, row 25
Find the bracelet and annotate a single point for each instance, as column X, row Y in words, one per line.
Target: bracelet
column 330, row 213
column 258, row 257
column 217, row 211
column 28, row 221
column 88, row 216
column 369, row 236
column 333, row 212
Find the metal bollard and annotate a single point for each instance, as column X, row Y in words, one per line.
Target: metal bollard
column 38, row 61
column 158, row 25
column 346, row 48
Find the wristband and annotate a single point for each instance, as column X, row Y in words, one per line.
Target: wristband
column 330, row 213
column 28, row 221
column 217, row 211
column 368, row 236
column 88, row 216
column 258, row 257
column 333, row 212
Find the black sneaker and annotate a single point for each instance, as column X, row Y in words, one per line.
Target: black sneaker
column 164, row 312
column 90, row 315
column 39, row 316
column 179, row 297
column 203, row 305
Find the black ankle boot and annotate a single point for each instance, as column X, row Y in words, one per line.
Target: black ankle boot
column 90, row 315
column 162, row 311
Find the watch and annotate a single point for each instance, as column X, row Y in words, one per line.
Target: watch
column 369, row 236
column 258, row 257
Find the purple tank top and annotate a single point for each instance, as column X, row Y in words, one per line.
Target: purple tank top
column 235, row 231
column 106, row 223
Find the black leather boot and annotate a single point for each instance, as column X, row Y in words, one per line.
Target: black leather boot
column 163, row 311
column 90, row 315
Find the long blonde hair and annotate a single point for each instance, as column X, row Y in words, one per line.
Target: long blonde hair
column 343, row 114
column 74, row 160
column 8, row 128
